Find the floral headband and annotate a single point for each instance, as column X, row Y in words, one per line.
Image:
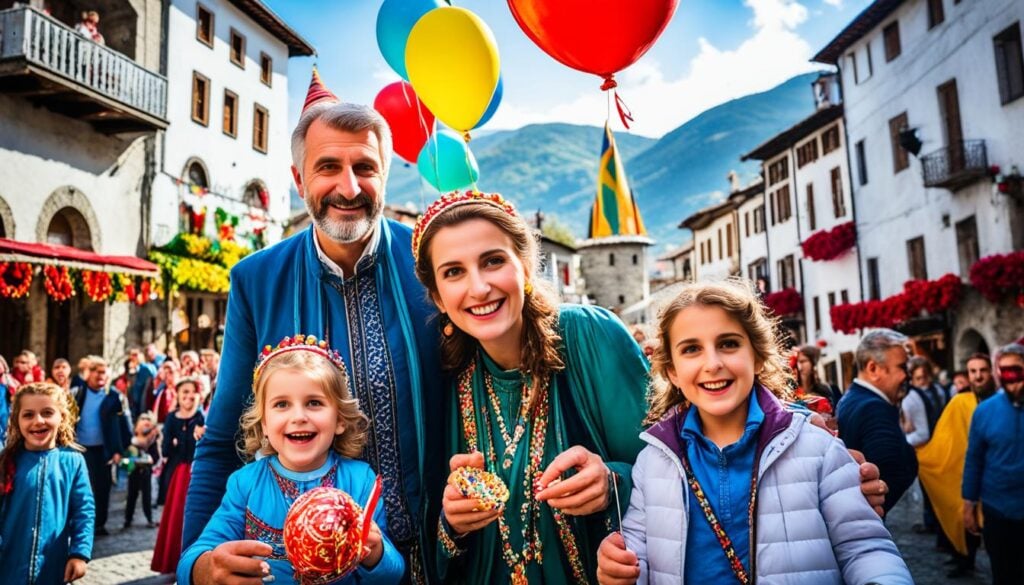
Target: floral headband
column 455, row 199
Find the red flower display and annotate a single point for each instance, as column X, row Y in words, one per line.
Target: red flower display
column 918, row 296
column 830, row 244
column 97, row 285
column 999, row 276
column 58, row 283
column 785, row 302
column 15, row 279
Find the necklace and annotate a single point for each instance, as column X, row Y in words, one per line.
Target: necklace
column 511, row 441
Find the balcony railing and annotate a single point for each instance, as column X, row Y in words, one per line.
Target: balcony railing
column 40, row 56
column 955, row 166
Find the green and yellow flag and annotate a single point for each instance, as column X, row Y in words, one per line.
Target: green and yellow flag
column 615, row 212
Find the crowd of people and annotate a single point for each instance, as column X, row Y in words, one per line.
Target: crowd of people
column 69, row 438
column 385, row 359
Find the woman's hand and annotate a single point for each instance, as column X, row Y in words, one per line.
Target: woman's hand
column 463, row 514
column 232, row 563
column 74, row 570
column 583, row 493
column 616, row 565
column 373, row 549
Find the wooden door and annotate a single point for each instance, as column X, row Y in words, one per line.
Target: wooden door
column 949, row 110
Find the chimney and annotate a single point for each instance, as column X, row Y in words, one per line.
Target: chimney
column 826, row 91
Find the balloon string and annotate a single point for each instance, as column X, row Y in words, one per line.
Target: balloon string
column 624, row 113
column 469, row 165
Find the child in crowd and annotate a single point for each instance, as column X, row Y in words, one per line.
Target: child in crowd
column 46, row 504
column 733, row 487
column 182, row 429
column 307, row 426
column 141, row 455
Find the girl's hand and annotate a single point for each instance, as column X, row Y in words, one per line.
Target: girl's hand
column 463, row 513
column 74, row 570
column 582, row 494
column 615, row 564
column 233, row 563
column 373, row 549
column 197, row 433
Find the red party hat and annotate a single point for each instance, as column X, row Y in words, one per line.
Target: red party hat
column 317, row 92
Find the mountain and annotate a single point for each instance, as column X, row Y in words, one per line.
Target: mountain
column 553, row 167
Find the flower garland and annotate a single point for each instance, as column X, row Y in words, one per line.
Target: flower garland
column 15, row 279
column 918, row 296
column 97, row 285
column 59, row 286
column 999, row 276
column 191, row 274
column 830, row 244
column 785, row 302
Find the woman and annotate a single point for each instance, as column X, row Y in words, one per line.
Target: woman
column 538, row 391
column 816, row 395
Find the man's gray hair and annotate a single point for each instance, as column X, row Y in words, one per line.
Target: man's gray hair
column 874, row 345
column 1013, row 348
column 347, row 117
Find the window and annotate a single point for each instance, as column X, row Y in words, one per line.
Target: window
column 197, row 175
column 782, row 204
column 817, row 314
column 830, row 139
column 862, row 164
column 260, row 128
column 256, row 195
column 636, row 259
column 967, row 243
column 874, row 287
column 831, row 300
column 758, row 269
column 838, row 203
column 935, row 13
column 200, row 99
column 810, row 207
column 916, row 260
column 237, row 48
column 728, row 239
column 787, row 276
column 900, row 159
column 807, row 152
column 266, row 69
column 758, row 220
column 778, row 170
column 1009, row 63
column 230, row 113
column 852, row 58
column 611, row 259
column 891, row 35
column 204, row 25
column 622, row 299
column 845, row 296
column 746, row 223
column 720, row 256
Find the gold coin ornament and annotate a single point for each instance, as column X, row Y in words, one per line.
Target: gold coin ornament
column 487, row 488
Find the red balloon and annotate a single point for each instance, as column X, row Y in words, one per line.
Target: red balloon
column 323, row 534
column 595, row 36
column 411, row 122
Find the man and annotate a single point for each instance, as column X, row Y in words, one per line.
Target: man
column 941, row 463
column 104, row 430
column 349, row 279
column 994, row 470
column 154, row 357
column 961, row 383
column 82, row 371
column 869, row 419
column 141, row 375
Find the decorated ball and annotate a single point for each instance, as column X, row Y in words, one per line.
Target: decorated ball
column 323, row 534
column 488, row 489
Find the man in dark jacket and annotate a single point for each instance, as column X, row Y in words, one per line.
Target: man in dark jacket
column 869, row 416
column 103, row 429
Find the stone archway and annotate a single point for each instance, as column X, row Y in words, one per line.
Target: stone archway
column 971, row 342
column 71, row 206
column 6, row 220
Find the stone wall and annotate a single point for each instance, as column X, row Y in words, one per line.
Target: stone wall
column 617, row 285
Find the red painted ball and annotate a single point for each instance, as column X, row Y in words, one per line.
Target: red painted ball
column 323, row 534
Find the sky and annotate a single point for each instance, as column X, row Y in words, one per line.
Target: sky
column 712, row 51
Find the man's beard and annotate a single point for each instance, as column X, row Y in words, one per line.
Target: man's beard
column 346, row 232
column 985, row 390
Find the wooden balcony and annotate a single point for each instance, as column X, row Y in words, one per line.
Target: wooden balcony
column 50, row 64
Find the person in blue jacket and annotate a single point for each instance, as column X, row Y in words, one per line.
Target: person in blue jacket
column 307, row 427
column 46, row 504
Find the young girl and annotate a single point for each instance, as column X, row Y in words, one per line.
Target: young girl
column 141, row 455
column 305, row 426
column 179, row 446
column 46, row 505
column 731, row 486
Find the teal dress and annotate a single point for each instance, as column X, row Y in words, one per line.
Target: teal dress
column 597, row 401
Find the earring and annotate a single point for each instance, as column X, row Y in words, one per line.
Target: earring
column 449, row 329
column 528, row 288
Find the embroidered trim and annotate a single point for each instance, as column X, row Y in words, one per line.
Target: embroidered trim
column 257, row 529
column 449, row 547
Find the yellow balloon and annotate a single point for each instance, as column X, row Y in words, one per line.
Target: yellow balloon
column 452, row 60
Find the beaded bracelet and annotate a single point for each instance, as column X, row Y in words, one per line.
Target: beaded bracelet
column 450, row 548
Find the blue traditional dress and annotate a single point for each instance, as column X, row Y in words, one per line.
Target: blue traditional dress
column 381, row 321
column 597, row 401
column 256, row 504
column 47, row 519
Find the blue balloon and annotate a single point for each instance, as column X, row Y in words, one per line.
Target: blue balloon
column 447, row 163
column 394, row 23
column 493, row 106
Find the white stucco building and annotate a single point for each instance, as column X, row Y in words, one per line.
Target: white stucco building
column 932, row 94
column 716, row 245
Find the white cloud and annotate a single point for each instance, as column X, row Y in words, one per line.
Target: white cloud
column 836, row 3
column 772, row 55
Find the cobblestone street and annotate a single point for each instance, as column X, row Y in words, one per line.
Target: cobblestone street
column 124, row 556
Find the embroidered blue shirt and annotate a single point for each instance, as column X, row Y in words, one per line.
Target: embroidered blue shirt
column 724, row 475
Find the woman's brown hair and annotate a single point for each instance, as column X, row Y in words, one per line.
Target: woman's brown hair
column 335, row 385
column 539, row 355
column 736, row 297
